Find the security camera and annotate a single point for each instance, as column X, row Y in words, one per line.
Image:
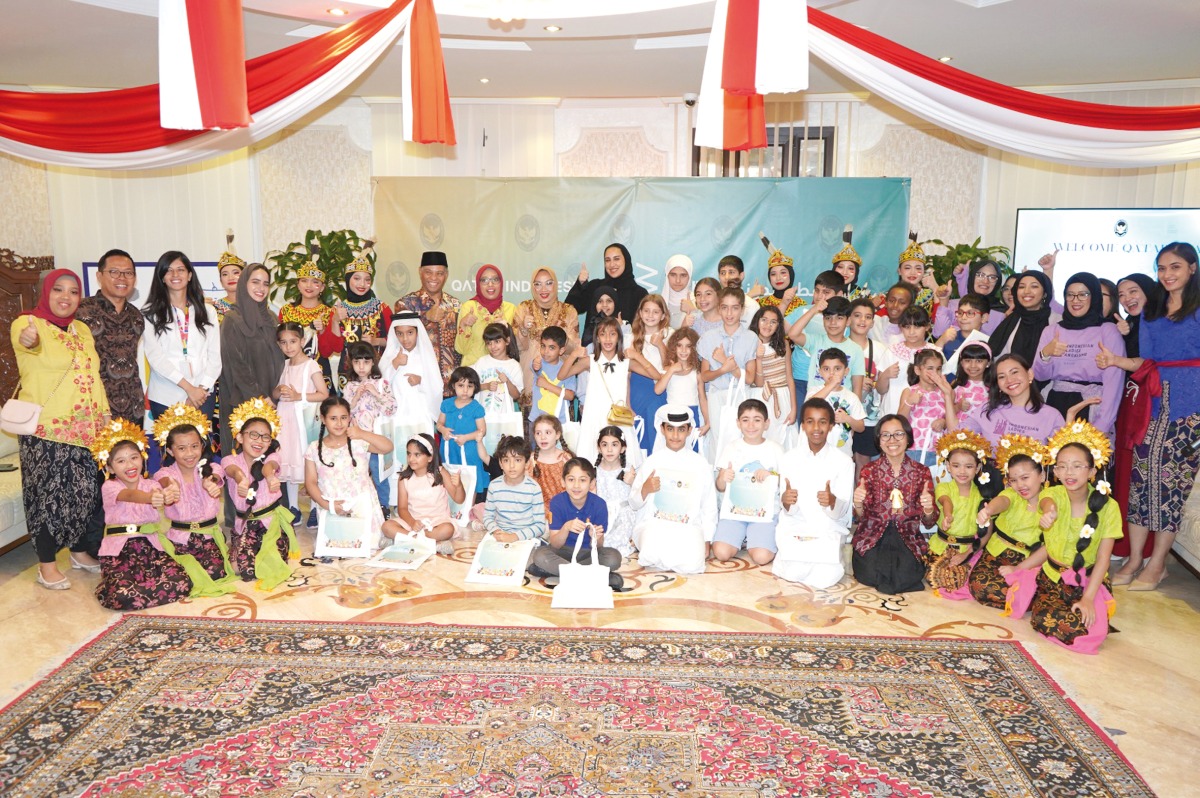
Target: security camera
column 689, row 99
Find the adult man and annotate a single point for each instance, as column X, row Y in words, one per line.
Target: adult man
column 818, row 486
column 117, row 327
column 438, row 312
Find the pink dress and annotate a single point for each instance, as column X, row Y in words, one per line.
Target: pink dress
column 264, row 498
column 426, row 501
column 366, row 407
column 344, row 480
column 975, row 393
column 196, row 506
column 928, row 407
column 291, row 447
column 117, row 513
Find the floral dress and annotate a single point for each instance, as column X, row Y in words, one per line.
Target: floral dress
column 343, row 478
column 136, row 569
column 615, row 493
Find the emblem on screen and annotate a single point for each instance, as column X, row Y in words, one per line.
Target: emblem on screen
column 1121, row 227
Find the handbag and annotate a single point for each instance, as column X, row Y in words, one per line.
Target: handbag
column 19, row 417
column 619, row 413
column 580, row 586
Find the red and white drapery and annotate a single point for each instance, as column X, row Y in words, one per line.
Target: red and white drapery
column 1024, row 122
column 121, row 129
column 201, row 65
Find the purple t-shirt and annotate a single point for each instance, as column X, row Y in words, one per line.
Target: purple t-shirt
column 1077, row 371
column 1009, row 420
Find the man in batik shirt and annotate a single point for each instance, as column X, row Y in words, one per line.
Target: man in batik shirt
column 438, row 311
column 117, row 328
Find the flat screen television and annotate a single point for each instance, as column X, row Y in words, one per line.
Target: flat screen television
column 1108, row 242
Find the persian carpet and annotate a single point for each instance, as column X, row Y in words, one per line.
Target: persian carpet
column 207, row 707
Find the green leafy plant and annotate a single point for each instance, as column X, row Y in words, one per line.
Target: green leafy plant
column 338, row 248
column 943, row 265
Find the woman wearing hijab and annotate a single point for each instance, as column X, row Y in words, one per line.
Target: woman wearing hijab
column 1141, row 297
column 781, row 274
column 1066, row 356
column 250, row 358
column 618, row 275
column 984, row 279
column 678, row 290
column 534, row 315
column 486, row 307
column 60, row 370
column 1021, row 330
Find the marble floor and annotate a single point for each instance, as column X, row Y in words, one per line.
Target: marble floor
column 1143, row 688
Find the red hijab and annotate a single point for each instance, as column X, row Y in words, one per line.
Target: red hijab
column 490, row 305
column 43, row 311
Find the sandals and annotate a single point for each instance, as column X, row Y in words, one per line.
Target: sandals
column 91, row 569
column 61, row 584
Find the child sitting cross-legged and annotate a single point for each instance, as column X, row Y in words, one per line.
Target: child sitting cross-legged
column 577, row 511
column 515, row 509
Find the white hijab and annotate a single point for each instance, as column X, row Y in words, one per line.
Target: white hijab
column 675, row 298
column 422, row 361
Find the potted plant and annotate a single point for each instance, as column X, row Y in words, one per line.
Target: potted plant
column 334, row 250
column 966, row 254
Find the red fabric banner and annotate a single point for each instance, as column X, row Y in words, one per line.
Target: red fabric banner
column 219, row 55
column 432, row 122
column 745, row 122
column 740, row 61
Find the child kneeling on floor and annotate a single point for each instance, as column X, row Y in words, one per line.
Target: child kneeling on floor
column 577, row 511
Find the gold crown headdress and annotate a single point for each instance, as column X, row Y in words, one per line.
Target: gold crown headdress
column 113, row 433
column 362, row 261
column 965, row 439
column 775, row 256
column 1085, row 434
column 311, row 269
column 258, row 407
column 1012, row 445
column 914, row 251
column 848, row 251
column 179, row 414
column 229, row 256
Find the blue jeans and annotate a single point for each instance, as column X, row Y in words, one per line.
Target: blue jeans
column 381, row 485
column 801, row 393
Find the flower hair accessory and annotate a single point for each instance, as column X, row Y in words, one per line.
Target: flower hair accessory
column 966, row 440
column 1012, row 445
column 1087, row 436
column 258, row 407
column 115, row 432
column 179, row 414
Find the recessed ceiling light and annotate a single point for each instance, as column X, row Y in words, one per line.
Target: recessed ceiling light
column 485, row 80
column 552, row 28
column 946, row 58
column 336, row 12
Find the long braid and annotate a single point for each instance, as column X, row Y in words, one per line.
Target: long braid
column 1095, row 504
column 320, row 447
column 988, row 490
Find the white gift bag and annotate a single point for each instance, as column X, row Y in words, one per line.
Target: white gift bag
column 570, row 427
column 407, row 553
column 499, row 563
column 308, row 422
column 344, row 535
column 398, row 429
column 723, row 426
column 583, row 587
column 461, row 513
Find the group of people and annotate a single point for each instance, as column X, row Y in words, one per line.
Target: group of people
column 922, row 423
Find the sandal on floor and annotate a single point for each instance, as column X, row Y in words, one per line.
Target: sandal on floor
column 91, row 569
column 61, row 584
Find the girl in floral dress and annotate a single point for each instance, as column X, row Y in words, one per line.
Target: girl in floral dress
column 926, row 403
column 301, row 381
column 969, row 388
column 371, row 398
column 137, row 569
column 613, row 478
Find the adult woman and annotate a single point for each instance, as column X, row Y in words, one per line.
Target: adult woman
column 781, row 274
column 361, row 316
column 894, row 498
column 535, row 315
column 1067, row 353
column 251, row 358
column 182, row 340
column 60, row 371
column 1006, row 293
column 1020, row 331
column 1141, row 297
column 981, row 278
column 618, row 275
column 486, row 307
column 1013, row 407
column 1166, row 458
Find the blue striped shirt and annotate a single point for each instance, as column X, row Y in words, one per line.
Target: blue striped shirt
column 519, row 509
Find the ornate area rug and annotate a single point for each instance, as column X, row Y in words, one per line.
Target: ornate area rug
column 206, row 707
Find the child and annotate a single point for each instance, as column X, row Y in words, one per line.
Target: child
column 731, row 272
column 552, row 390
column 604, row 306
column 424, row 491
column 707, row 315
column 500, row 377
column 370, row 399
column 313, row 316
column 835, row 317
column 336, row 475
column 730, row 357
column 914, row 335
column 681, row 380
column 410, row 365
column 1015, row 511
column 229, row 272
column 577, row 511
column 848, row 263
column 678, row 293
column 646, row 355
column 878, row 397
column 781, row 274
column 460, row 421
column 361, row 316
column 675, row 499
column 759, row 457
column 550, row 453
column 848, row 414
column 1071, row 602
column 515, row 507
column 959, row 500
column 192, row 490
column 613, row 478
column 263, row 540
column 301, row 381
column 778, row 390
column 899, row 298
column 969, row 316
column 608, row 385
column 969, row 389
column 827, row 285
column 927, row 402
column 137, row 569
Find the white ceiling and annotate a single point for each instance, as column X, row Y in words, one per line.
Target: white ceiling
column 50, row 44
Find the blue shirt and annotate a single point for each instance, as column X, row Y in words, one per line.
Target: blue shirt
column 800, row 357
column 551, row 371
column 817, row 341
column 1166, row 340
column 594, row 510
column 743, row 345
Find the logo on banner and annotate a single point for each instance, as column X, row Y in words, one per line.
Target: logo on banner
column 829, row 233
column 1121, row 227
column 433, row 232
column 622, row 229
column 528, row 233
column 722, row 232
column 396, row 278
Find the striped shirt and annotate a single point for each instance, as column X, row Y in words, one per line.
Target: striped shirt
column 519, row 509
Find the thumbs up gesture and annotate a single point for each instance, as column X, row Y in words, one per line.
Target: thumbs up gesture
column 825, row 498
column 788, row 296
column 860, row 494
column 29, row 336
column 469, row 321
column 727, row 474
column 583, row 275
column 756, row 290
column 1104, row 359
column 1049, row 516
column 1055, row 348
column 926, row 502
column 653, row 484
column 1047, row 262
column 790, row 495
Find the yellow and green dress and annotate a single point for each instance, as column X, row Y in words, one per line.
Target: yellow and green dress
column 955, row 538
column 1015, row 536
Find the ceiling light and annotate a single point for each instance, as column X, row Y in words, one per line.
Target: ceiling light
column 946, row 58
column 336, row 12
column 552, row 28
column 485, row 80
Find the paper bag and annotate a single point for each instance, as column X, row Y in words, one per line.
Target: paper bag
column 583, row 587
column 344, row 535
column 461, row 513
column 498, row 563
column 748, row 500
column 407, row 553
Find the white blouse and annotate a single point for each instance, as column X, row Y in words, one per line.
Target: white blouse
column 201, row 366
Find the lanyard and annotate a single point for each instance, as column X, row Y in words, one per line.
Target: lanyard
column 184, row 323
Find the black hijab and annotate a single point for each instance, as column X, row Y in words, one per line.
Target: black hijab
column 995, row 299
column 779, row 292
column 251, row 362
column 594, row 317
column 1150, row 311
column 1028, row 324
column 359, row 298
column 1094, row 316
column 629, row 293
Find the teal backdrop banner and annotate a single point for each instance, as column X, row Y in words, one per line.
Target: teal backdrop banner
column 520, row 224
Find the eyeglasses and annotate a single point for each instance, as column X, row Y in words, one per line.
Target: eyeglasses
column 489, row 280
column 991, row 278
column 544, row 284
column 1070, row 468
column 892, row 436
column 967, row 312
column 118, row 274
column 1079, row 295
column 264, row 437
